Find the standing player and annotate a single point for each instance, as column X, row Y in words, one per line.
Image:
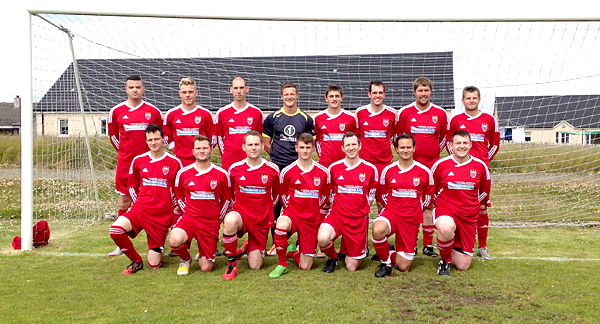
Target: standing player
column 151, row 181
column 280, row 130
column 406, row 188
column 427, row 123
column 485, row 136
column 186, row 121
column 304, row 188
column 127, row 122
column 234, row 121
column 462, row 185
column 354, row 185
column 331, row 125
column 203, row 193
column 377, row 126
column 255, row 186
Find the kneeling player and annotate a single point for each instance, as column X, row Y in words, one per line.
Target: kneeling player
column 462, row 184
column 255, row 186
column 304, row 188
column 406, row 189
column 151, row 181
column 354, row 185
column 203, row 193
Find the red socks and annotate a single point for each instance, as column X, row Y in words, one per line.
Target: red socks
column 329, row 250
column 182, row 252
column 482, row 227
column 230, row 243
column 428, row 234
column 119, row 236
column 445, row 248
column 295, row 255
column 281, row 243
column 382, row 248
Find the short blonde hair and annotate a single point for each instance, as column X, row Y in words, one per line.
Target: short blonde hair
column 187, row 81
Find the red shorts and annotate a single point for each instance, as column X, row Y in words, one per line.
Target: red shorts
column 121, row 176
column 257, row 236
column 156, row 228
column 406, row 232
column 464, row 235
column 307, row 235
column 353, row 231
column 185, row 160
column 207, row 235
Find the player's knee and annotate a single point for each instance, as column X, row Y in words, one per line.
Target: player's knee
column 283, row 223
column 157, row 250
column 352, row 266
column 230, row 223
column 404, row 266
column 379, row 230
column 207, row 266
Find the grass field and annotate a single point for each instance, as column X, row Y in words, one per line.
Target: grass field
column 538, row 275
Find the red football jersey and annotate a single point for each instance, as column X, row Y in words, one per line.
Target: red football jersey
column 353, row 188
column 484, row 131
column 203, row 195
column 255, row 191
column 182, row 126
column 231, row 126
column 406, row 193
column 428, row 127
column 376, row 131
column 304, row 192
column 151, row 182
column 329, row 130
column 461, row 186
column 127, row 126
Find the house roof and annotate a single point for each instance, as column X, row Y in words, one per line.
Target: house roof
column 103, row 80
column 9, row 116
column 580, row 111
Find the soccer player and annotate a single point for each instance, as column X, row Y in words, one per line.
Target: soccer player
column 203, row 193
column 377, row 126
column 280, row 130
column 185, row 121
column 354, row 186
column 304, row 188
column 331, row 125
column 151, row 181
column 127, row 122
column 406, row 188
column 427, row 123
column 234, row 121
column 485, row 136
column 255, row 186
column 462, row 185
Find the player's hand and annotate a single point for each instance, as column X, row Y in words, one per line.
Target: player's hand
column 483, row 206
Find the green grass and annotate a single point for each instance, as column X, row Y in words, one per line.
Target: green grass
column 50, row 287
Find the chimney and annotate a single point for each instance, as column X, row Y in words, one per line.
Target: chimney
column 17, row 102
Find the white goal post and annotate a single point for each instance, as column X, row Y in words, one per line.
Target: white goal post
column 520, row 63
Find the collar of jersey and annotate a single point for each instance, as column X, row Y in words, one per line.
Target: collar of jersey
column 203, row 172
column 282, row 111
column 419, row 111
column 408, row 169
column 464, row 163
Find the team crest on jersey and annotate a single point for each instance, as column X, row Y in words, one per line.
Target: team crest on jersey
column 484, row 127
column 165, row 170
column 473, row 173
column 386, row 122
column 362, row 177
column 317, row 181
column 249, row 120
column 342, row 126
column 197, row 119
column 148, row 115
column 416, row 181
column 434, row 119
column 264, row 178
column 213, row 184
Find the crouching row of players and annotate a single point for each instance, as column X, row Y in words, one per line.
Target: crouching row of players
column 319, row 204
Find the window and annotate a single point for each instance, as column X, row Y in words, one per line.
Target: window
column 527, row 136
column 103, row 127
column 63, row 126
column 591, row 139
column 563, row 138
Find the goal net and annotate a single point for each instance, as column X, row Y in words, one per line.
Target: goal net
column 540, row 79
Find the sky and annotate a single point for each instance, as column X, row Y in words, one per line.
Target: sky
column 502, row 58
